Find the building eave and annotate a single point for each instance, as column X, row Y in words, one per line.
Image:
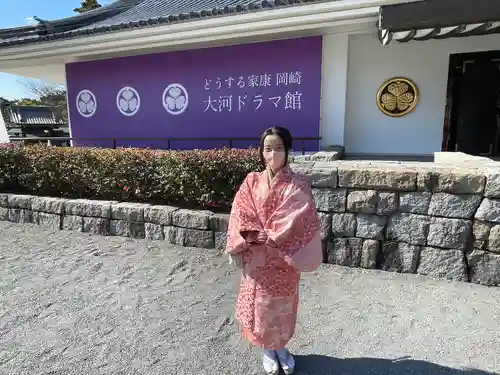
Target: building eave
column 281, row 20
column 438, row 19
column 39, row 32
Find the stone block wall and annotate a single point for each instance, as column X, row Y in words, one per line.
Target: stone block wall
column 176, row 226
column 437, row 220
column 441, row 221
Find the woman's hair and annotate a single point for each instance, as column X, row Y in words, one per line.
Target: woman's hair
column 285, row 136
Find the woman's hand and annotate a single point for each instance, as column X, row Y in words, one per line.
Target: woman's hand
column 261, row 237
column 256, row 237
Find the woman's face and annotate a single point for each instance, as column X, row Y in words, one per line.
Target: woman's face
column 274, row 152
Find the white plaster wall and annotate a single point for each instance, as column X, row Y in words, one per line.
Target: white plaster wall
column 4, row 136
column 367, row 130
column 334, row 88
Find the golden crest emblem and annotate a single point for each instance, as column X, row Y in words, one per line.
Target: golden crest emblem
column 397, row 97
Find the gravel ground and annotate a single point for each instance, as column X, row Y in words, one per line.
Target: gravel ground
column 72, row 303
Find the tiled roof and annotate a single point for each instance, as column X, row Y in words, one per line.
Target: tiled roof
column 31, row 115
column 64, row 27
column 129, row 14
column 438, row 19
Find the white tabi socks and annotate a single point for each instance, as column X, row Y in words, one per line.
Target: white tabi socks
column 286, row 361
column 272, row 359
column 270, row 362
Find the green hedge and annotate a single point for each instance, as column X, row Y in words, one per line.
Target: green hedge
column 188, row 178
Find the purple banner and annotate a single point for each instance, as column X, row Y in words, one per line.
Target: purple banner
column 225, row 92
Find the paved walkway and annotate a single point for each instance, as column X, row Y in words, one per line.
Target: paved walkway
column 79, row 304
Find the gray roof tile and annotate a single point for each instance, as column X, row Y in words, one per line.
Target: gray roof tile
column 126, row 14
column 31, row 115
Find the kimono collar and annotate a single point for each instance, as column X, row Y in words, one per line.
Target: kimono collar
column 283, row 173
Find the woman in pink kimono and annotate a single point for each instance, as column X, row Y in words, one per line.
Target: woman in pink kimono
column 273, row 236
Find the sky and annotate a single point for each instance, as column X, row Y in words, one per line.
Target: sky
column 16, row 13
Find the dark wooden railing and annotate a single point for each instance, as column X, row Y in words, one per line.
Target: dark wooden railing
column 59, row 141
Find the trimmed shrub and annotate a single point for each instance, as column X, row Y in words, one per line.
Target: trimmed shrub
column 187, row 178
column 10, row 163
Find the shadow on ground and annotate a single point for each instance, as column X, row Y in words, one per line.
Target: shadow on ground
column 323, row 365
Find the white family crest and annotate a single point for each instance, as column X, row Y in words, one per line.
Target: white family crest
column 128, row 101
column 175, row 99
column 86, row 103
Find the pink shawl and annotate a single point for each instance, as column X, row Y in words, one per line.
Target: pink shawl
column 286, row 211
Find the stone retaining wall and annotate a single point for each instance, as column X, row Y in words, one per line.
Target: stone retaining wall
column 442, row 221
column 177, row 226
column 436, row 220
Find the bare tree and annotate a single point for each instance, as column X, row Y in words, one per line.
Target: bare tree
column 41, row 89
column 46, row 94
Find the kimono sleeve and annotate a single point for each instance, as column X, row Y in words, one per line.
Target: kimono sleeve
column 242, row 218
column 295, row 222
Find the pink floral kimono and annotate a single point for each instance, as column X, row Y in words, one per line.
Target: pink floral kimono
column 269, row 292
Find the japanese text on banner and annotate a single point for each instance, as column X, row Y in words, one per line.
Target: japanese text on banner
column 288, row 99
